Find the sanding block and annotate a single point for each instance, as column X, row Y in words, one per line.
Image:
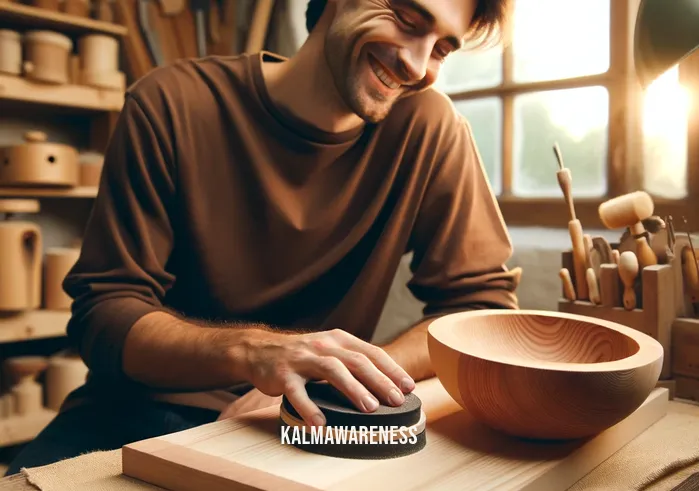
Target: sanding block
column 386, row 433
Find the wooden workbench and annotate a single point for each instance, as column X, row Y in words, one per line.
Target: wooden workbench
column 590, row 482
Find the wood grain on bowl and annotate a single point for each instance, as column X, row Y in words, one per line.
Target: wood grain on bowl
column 543, row 375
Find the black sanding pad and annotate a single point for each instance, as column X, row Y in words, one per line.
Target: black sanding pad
column 341, row 414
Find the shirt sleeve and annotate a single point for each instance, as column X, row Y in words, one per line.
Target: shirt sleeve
column 460, row 244
column 120, row 275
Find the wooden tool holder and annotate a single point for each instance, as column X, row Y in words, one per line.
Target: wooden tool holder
column 666, row 309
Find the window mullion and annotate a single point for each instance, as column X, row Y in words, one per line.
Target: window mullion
column 507, row 122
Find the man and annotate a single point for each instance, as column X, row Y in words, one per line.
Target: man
column 252, row 214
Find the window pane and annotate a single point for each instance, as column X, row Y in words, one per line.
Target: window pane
column 470, row 70
column 485, row 117
column 575, row 118
column 557, row 39
column 665, row 127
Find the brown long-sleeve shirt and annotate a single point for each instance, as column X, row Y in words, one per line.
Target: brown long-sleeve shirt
column 216, row 204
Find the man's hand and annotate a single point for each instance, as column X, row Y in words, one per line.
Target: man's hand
column 251, row 401
column 281, row 364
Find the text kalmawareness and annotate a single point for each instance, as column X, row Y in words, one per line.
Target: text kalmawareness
column 358, row 435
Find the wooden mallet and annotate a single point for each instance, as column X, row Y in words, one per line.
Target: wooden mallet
column 629, row 210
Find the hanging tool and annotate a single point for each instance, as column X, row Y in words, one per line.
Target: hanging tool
column 149, row 33
column 580, row 255
column 259, row 26
column 201, row 14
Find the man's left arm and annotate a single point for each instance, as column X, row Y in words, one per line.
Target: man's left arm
column 460, row 247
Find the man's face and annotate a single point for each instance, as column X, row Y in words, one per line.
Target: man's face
column 381, row 50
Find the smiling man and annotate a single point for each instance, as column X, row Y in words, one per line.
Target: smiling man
column 252, row 215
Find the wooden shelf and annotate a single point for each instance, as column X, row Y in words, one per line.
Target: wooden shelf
column 15, row 88
column 77, row 192
column 21, row 429
column 34, row 324
column 37, row 18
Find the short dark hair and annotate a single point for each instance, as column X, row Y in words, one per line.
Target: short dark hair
column 313, row 12
column 490, row 18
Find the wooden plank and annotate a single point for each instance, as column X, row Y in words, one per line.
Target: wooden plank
column 76, row 192
column 246, row 453
column 20, row 15
column 21, row 429
column 659, row 306
column 14, row 88
column 634, row 319
column 34, row 324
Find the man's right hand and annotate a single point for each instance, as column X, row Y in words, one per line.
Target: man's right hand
column 280, row 364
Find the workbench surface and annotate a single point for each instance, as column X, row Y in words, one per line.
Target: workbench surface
column 686, row 409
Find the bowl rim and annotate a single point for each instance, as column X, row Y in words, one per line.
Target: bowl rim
column 649, row 349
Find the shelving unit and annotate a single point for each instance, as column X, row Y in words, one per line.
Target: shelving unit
column 19, row 89
column 33, row 324
column 76, row 192
column 37, row 18
column 90, row 109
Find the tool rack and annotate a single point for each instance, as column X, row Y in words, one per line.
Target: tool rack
column 666, row 310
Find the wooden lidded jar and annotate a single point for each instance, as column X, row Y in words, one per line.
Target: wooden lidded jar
column 10, row 52
column 47, row 57
column 37, row 162
column 21, row 250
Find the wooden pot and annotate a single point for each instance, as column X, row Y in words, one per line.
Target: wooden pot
column 47, row 57
column 91, row 169
column 39, row 163
column 57, row 264
column 20, row 258
column 10, row 52
column 543, row 375
column 27, row 392
column 65, row 373
column 99, row 62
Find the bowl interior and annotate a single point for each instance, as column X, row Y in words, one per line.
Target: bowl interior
column 522, row 337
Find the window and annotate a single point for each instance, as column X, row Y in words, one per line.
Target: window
column 567, row 77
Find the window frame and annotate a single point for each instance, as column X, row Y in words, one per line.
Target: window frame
column 625, row 134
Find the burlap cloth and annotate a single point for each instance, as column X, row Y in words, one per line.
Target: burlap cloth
column 659, row 459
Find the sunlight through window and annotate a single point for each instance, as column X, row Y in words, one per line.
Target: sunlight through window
column 665, row 119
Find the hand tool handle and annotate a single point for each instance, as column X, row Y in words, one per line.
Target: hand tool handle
column 568, row 290
column 689, row 272
column 644, row 253
column 565, row 183
column 615, row 256
column 579, row 258
column 628, row 270
column 592, row 286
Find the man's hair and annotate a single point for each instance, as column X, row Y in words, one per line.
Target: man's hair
column 313, row 12
column 490, row 20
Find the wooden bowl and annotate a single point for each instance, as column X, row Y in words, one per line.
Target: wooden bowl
column 543, row 375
